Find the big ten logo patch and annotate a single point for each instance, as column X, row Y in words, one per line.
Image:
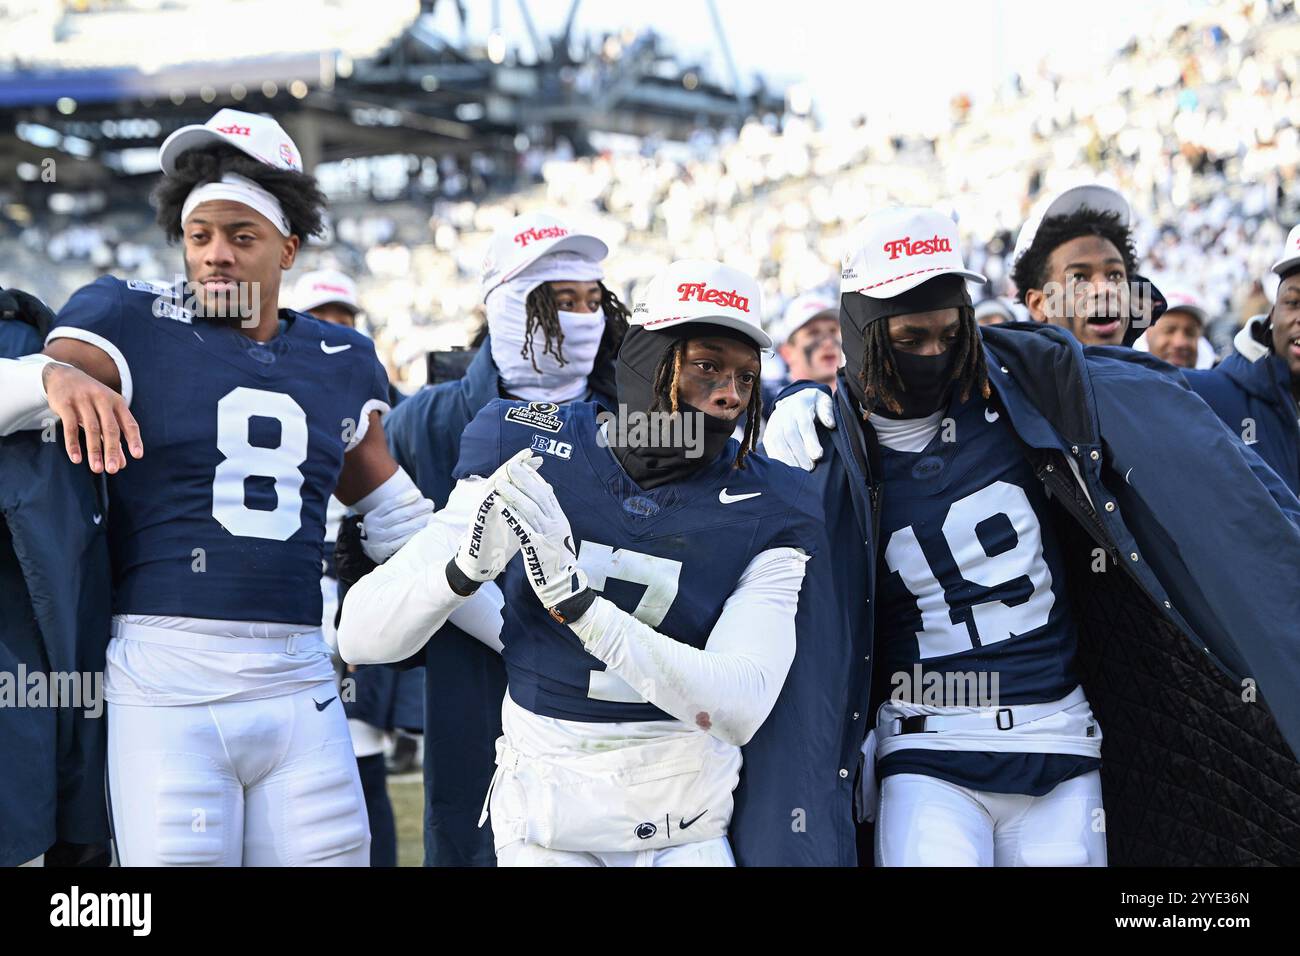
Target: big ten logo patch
column 560, row 449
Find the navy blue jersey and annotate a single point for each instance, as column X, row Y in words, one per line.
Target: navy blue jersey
column 224, row 516
column 972, row 581
column 670, row 556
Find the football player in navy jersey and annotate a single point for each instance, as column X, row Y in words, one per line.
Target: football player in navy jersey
column 227, row 745
column 650, row 572
column 987, row 749
column 998, row 764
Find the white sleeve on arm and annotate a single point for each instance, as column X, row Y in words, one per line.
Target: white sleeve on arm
column 391, row 612
column 730, row 686
column 23, row 405
column 479, row 615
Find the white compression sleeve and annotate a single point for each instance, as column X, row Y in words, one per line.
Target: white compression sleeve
column 23, row 405
column 730, row 686
column 398, row 486
column 391, row 612
column 479, row 615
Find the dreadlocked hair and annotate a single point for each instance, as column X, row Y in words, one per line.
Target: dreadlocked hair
column 541, row 312
column 664, row 387
column 881, row 383
column 298, row 193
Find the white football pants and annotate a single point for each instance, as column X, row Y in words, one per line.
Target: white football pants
column 269, row 782
column 925, row 821
column 716, row 852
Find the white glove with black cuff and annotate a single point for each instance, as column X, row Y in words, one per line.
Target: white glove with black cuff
column 487, row 545
column 545, row 538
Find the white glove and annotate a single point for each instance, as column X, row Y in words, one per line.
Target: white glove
column 545, row 538
column 791, row 435
column 393, row 522
column 487, row 545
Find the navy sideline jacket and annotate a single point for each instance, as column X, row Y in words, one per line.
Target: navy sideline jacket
column 1252, row 388
column 54, row 616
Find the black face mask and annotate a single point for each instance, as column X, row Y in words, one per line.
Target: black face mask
column 926, row 378
column 651, row 465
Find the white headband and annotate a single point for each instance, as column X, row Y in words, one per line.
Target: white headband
column 240, row 190
column 554, row 267
column 561, row 267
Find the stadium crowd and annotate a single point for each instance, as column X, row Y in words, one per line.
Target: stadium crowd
column 1197, row 124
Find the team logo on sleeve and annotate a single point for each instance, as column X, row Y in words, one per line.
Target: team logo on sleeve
column 539, row 415
column 153, row 288
column 166, row 309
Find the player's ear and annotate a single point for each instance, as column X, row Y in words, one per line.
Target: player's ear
column 289, row 253
column 1036, row 302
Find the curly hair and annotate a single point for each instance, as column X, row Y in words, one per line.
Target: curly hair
column 667, row 398
column 1030, row 272
column 299, row 194
column 541, row 312
column 881, row 383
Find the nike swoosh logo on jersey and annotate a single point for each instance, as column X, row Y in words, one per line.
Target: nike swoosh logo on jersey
column 683, row 824
column 97, row 518
column 990, row 415
column 331, row 349
column 319, row 705
column 727, row 499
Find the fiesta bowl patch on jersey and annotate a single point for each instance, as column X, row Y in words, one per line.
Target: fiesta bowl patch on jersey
column 537, row 415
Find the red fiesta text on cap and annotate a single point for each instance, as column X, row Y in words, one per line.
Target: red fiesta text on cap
column 703, row 293
column 921, row 247
column 534, row 234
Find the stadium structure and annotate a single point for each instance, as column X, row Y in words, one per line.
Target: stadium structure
column 97, row 86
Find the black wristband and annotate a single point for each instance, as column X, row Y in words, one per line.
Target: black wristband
column 459, row 581
column 572, row 608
